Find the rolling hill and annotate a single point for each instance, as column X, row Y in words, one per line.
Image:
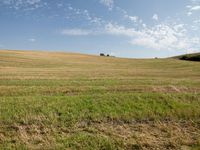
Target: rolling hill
column 56, row 100
column 190, row 57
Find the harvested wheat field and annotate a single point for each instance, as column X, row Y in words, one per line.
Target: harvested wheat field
column 53, row 100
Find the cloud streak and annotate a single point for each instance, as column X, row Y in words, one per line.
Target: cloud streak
column 108, row 3
column 194, row 8
column 76, row 32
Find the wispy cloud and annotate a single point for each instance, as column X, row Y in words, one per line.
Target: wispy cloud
column 133, row 18
column 155, row 17
column 32, row 40
column 76, row 32
column 197, row 21
column 115, row 29
column 195, row 24
column 23, row 4
column 162, row 36
column 193, row 7
column 84, row 14
column 189, row 13
column 108, row 3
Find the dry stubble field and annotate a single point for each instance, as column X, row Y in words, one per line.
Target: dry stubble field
column 54, row 100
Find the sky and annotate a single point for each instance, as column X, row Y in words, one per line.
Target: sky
column 123, row 28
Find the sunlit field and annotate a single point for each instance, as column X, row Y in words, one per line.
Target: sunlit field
column 58, row 100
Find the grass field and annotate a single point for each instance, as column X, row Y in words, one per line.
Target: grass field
column 72, row 101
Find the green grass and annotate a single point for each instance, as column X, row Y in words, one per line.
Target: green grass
column 73, row 101
column 99, row 107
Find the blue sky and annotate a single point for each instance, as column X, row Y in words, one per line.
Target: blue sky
column 124, row 28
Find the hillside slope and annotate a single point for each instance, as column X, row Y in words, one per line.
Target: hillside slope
column 190, row 57
column 54, row 100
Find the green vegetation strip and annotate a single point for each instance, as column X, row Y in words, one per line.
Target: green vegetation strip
column 125, row 107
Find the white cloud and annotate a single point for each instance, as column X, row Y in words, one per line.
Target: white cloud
column 108, row 3
column 32, row 40
column 195, row 25
column 120, row 30
column 195, row 8
column 76, row 32
column 197, row 21
column 59, row 5
column 161, row 37
column 83, row 14
column 31, row 2
column 195, row 2
column 133, row 18
column 194, row 28
column 144, row 25
column 189, row 13
column 155, row 17
column 188, row 6
column 23, row 4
